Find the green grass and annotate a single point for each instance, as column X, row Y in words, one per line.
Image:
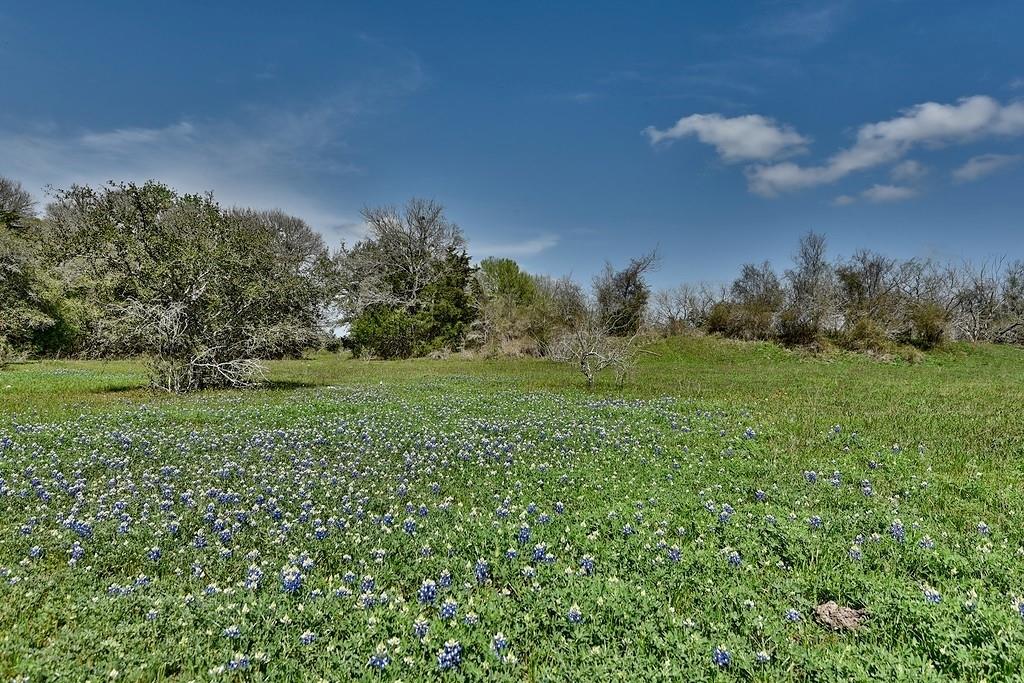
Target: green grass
column 941, row 442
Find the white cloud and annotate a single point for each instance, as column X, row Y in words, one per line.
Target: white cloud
column 907, row 171
column 929, row 124
column 530, row 247
column 843, row 200
column 888, row 193
column 983, row 165
column 741, row 138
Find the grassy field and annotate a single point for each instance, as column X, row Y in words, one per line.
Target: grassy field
column 494, row 518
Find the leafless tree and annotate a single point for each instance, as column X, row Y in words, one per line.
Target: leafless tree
column 402, row 252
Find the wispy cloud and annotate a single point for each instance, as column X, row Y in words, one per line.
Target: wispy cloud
column 908, row 171
column 888, row 193
column 983, row 165
column 263, row 157
column 529, row 247
column 930, row 124
column 741, row 138
column 812, row 22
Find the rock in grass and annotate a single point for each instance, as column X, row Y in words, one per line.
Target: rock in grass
column 839, row 618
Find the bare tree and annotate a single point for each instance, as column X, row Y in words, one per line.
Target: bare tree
column 403, row 251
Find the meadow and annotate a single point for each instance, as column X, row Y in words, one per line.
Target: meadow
column 466, row 518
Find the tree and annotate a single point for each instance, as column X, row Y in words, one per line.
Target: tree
column 506, row 295
column 622, row 295
column 16, row 204
column 413, row 261
column 811, row 289
column 204, row 293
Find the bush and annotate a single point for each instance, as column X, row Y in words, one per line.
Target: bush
column 928, row 323
column 383, row 332
column 794, row 329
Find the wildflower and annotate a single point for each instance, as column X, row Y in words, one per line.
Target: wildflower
column 428, row 592
column 420, row 627
column 238, row 663
column 983, row 528
column 927, row 543
column 932, row 596
column 379, row 659
column 815, row 522
column 524, row 534
column 450, row 655
column 575, row 615
column 307, row 638
column 793, row 615
column 481, row 570
column 762, row 657
column 897, row 531
column 232, row 632
column 499, row 642
column 291, row 579
column 855, row 553
column 153, row 554
column 448, row 609
column 721, row 657
column 587, row 565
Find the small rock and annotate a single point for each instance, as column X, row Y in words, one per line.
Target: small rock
column 839, row 618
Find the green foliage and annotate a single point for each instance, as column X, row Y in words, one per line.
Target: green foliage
column 383, row 332
column 203, row 293
column 939, row 443
column 929, row 321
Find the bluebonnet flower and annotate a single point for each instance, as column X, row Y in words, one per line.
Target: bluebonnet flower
column 232, row 632
column 367, row 584
column 450, row 655
column 448, row 609
column 409, row 526
column 151, row 615
column 239, row 663
column 559, row 507
column 153, row 554
column 471, row 619
column 793, row 615
column 291, row 579
column 379, row 659
column 674, row 553
column 932, row 596
column 539, row 551
column 811, row 476
column 749, row 433
column 814, row 522
column 482, row 570
column 420, row 627
column 575, row 615
column 734, row 558
column 760, row 496
column 762, row 657
column 307, row 638
column 511, row 553
column 897, row 531
column 983, row 528
column 836, row 479
column 348, row 577
column 428, row 591
column 627, row 530
column 865, row 488
column 1019, row 606
column 855, row 553
column 927, row 543
column 35, row 551
column 524, row 534
column 720, row 657
column 499, row 642
column 587, row 565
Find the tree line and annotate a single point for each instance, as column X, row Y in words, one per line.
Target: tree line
column 206, row 293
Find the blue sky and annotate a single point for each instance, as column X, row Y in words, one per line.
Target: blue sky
column 559, row 135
